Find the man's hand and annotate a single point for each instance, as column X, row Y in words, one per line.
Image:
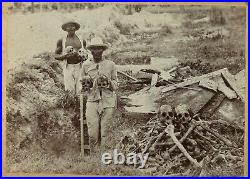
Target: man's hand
column 59, row 57
column 67, row 56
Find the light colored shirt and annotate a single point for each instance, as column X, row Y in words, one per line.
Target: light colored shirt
column 106, row 97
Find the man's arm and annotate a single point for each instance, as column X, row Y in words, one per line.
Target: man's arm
column 59, row 49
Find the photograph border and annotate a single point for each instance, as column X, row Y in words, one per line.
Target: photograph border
column 5, row 69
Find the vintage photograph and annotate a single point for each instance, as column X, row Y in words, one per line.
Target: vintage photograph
column 125, row 89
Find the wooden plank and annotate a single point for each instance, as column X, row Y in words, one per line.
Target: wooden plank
column 127, row 75
column 154, row 79
column 229, row 79
column 194, row 80
column 195, row 89
column 212, row 105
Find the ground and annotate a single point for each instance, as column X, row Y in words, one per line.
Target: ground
column 42, row 125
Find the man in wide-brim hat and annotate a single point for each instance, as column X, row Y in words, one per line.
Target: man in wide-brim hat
column 71, row 23
column 101, row 98
column 71, row 63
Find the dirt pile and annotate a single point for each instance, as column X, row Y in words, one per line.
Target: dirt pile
column 40, row 115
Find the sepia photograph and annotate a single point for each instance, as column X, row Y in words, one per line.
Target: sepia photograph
column 124, row 89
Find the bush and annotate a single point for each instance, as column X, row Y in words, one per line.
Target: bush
column 23, row 76
column 216, row 17
column 68, row 100
column 124, row 29
column 166, row 30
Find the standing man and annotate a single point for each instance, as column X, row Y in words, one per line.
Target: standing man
column 67, row 51
column 101, row 96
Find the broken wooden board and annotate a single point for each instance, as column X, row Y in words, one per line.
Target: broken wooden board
column 230, row 80
column 195, row 100
column 209, row 84
column 212, row 105
column 154, row 79
column 130, row 77
column 143, row 101
column 241, row 82
column 231, row 111
column 195, row 80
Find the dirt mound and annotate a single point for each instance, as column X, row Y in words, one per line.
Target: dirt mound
column 39, row 116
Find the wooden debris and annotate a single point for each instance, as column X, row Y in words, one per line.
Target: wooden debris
column 210, row 107
column 194, row 80
column 184, row 87
column 229, row 80
column 130, row 77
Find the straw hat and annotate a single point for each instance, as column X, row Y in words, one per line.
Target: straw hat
column 77, row 25
column 97, row 42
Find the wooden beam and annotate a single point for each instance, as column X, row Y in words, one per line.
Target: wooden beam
column 127, row 75
column 194, row 80
column 229, row 79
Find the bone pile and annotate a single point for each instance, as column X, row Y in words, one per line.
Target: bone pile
column 177, row 142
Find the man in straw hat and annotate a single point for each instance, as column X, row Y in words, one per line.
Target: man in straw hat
column 66, row 51
column 101, row 96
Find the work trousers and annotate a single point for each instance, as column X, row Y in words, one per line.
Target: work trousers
column 97, row 119
column 71, row 75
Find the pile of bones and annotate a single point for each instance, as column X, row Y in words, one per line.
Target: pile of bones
column 178, row 141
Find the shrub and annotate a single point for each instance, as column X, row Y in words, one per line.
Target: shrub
column 166, row 30
column 216, row 17
column 124, row 29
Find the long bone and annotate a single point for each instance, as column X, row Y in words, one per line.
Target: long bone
column 170, row 131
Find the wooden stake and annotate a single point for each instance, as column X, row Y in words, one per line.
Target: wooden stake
column 81, row 123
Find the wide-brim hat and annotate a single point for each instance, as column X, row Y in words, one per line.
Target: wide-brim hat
column 97, row 42
column 77, row 25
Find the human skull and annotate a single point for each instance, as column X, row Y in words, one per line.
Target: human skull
column 166, row 114
column 182, row 113
column 102, row 81
column 87, row 83
column 83, row 53
column 69, row 49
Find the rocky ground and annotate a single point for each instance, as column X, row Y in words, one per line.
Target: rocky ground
column 43, row 122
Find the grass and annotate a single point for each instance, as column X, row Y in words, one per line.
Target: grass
column 228, row 51
column 73, row 164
